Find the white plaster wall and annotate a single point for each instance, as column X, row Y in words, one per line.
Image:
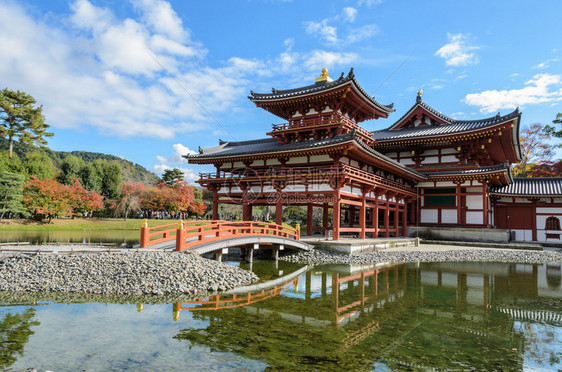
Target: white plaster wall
column 319, row 158
column 391, row 155
column 449, row 159
column 404, row 154
column 298, row 159
column 445, row 184
column 474, row 218
column 273, row 162
column 448, row 151
column 521, row 200
column 429, row 216
column 473, row 189
column 430, row 159
column 238, row 164
column 353, row 163
column 558, row 200
column 236, row 189
column 344, row 160
column 320, row 187
column 327, row 109
column 347, row 189
column 312, row 112
column 257, row 163
column 431, row 152
column 256, row 189
column 297, row 114
column 269, row 189
column 551, row 210
column 449, row 216
column 294, row 188
column 474, row 202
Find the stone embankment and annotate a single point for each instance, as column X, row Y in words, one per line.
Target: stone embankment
column 133, row 273
column 317, row 257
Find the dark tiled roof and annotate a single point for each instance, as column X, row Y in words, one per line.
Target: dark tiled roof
column 531, row 187
column 269, row 145
column 265, row 145
column 454, row 126
column 478, row 170
column 318, row 87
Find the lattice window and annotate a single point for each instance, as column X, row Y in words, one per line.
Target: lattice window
column 552, row 223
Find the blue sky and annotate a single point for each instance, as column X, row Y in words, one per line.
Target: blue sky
column 103, row 69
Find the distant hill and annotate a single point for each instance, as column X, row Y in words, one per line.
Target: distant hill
column 132, row 172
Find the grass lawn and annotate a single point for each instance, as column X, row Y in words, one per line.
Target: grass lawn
column 79, row 224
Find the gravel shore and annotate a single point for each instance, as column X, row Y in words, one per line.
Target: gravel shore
column 318, row 257
column 134, row 273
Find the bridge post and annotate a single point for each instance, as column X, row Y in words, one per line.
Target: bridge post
column 144, row 238
column 218, row 256
column 180, row 236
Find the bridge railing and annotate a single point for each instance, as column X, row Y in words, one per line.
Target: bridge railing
column 193, row 233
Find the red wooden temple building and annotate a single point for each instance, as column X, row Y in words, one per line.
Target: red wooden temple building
column 425, row 170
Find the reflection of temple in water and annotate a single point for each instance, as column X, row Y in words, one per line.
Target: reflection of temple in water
column 439, row 315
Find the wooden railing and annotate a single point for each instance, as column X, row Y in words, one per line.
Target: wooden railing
column 322, row 120
column 310, row 173
column 230, row 301
column 191, row 234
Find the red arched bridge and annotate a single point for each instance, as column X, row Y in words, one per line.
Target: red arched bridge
column 215, row 236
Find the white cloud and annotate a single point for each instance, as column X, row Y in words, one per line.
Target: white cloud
column 100, row 73
column 321, row 58
column 349, row 14
column 362, row 33
column 176, row 160
column 457, row 52
column 546, row 64
column 369, row 3
column 327, row 32
column 322, row 30
column 537, row 90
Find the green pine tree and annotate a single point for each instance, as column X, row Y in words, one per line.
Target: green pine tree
column 11, row 194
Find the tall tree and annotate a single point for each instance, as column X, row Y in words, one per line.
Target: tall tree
column 11, row 194
column 552, row 130
column 111, row 179
column 70, row 169
column 40, row 164
column 172, row 176
column 21, row 120
column 90, row 177
column 534, row 148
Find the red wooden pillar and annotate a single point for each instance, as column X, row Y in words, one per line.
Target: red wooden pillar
column 215, row 204
column 404, row 220
column 310, row 209
column 246, row 211
column 336, row 217
column 387, row 218
column 351, row 214
column 396, row 211
column 413, row 205
column 534, row 220
column 362, row 215
column 459, row 204
column 376, row 218
column 279, row 210
column 485, row 204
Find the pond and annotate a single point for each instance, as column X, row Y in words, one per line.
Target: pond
column 109, row 237
column 461, row 316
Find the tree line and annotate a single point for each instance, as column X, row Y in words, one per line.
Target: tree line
column 33, row 186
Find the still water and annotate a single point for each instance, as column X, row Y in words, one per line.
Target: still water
column 461, row 316
column 109, row 237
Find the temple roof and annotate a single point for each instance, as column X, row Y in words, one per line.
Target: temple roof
column 542, row 187
column 318, row 87
column 451, row 127
column 477, row 170
column 270, row 145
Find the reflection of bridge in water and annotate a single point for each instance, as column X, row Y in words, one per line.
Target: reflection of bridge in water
column 398, row 315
